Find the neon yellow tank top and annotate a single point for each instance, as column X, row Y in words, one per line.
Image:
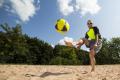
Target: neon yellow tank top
column 91, row 34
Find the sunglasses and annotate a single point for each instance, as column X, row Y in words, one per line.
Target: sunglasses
column 89, row 23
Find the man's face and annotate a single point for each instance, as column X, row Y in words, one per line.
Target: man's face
column 89, row 24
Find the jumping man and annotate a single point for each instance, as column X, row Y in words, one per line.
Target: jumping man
column 92, row 40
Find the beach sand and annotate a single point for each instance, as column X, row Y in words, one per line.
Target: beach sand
column 59, row 72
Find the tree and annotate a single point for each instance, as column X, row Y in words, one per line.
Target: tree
column 110, row 52
column 64, row 55
column 114, row 48
column 13, row 44
column 39, row 51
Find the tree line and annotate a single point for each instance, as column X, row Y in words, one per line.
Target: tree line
column 19, row 48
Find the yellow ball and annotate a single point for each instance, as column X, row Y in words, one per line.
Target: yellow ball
column 62, row 25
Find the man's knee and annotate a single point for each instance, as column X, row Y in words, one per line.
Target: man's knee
column 80, row 42
column 92, row 52
column 85, row 41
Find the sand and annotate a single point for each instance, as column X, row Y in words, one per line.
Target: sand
column 55, row 72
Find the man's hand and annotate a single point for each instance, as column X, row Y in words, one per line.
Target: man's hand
column 95, row 45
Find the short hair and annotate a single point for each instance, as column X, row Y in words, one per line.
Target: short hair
column 89, row 21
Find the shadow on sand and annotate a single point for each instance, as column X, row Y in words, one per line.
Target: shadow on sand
column 45, row 74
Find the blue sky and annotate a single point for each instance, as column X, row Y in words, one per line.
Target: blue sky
column 38, row 17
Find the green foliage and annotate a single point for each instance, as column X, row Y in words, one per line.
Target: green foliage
column 83, row 57
column 39, row 51
column 12, row 45
column 18, row 48
column 64, row 55
column 110, row 52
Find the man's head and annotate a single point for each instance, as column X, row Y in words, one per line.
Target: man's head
column 89, row 23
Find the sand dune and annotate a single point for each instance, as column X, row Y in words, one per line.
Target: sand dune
column 48, row 72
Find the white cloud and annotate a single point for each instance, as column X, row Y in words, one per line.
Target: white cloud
column 65, row 7
column 87, row 6
column 81, row 6
column 53, row 46
column 1, row 2
column 38, row 5
column 8, row 9
column 25, row 9
column 61, row 42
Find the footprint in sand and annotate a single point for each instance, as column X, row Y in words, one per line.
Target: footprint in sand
column 84, row 72
column 104, row 79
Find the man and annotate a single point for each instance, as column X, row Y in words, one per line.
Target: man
column 92, row 40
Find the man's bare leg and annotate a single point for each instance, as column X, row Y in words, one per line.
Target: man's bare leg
column 92, row 59
column 80, row 43
column 77, row 43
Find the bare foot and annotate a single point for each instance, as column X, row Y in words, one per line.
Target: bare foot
column 92, row 70
column 68, row 44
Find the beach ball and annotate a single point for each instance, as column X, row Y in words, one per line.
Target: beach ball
column 62, row 26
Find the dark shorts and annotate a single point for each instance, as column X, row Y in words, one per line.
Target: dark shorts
column 92, row 43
